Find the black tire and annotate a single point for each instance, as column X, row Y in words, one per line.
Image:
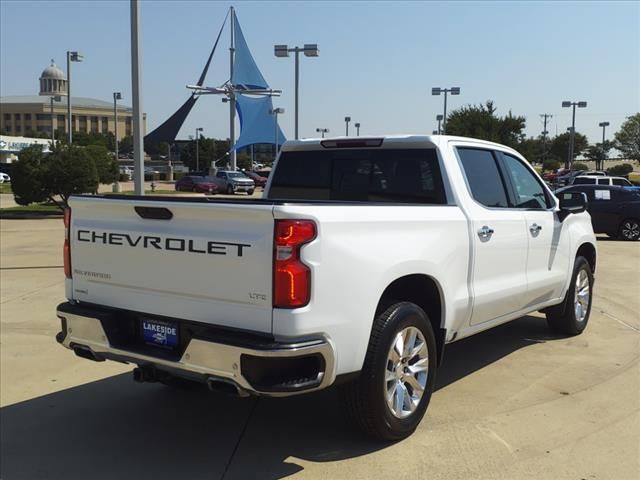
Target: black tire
column 562, row 318
column 629, row 229
column 250, row 192
column 229, row 190
column 365, row 398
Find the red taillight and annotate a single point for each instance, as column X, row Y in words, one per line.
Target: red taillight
column 291, row 277
column 67, row 244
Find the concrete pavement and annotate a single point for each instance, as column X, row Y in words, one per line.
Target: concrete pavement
column 512, row 403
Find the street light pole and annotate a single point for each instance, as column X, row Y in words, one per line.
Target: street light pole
column 357, row 125
column 232, row 95
column 439, row 118
column 567, row 104
column 438, row 91
column 138, row 146
column 71, row 57
column 276, row 139
column 309, row 50
column 199, row 129
column 116, row 96
column 346, row 121
column 53, row 132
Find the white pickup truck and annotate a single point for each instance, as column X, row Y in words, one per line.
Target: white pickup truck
column 364, row 258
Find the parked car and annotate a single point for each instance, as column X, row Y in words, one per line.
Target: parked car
column 192, row 183
column 600, row 180
column 567, row 177
column 364, row 259
column 150, row 171
column 232, row 182
column 614, row 210
column 259, row 180
column 4, row 177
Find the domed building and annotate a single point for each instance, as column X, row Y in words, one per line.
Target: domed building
column 31, row 114
column 53, row 81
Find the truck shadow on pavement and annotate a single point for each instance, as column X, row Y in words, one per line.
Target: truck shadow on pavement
column 116, row 429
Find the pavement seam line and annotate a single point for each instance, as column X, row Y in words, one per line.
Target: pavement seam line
column 240, row 437
column 620, row 321
column 31, row 268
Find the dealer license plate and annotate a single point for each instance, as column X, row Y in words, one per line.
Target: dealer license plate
column 164, row 334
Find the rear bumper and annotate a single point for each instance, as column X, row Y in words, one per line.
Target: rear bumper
column 269, row 368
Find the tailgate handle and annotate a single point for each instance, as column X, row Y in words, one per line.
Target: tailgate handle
column 154, row 213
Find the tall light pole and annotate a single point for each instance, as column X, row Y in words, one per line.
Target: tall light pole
column 322, row 131
column 275, row 112
column 199, row 129
column 309, row 50
column 439, row 118
column 438, row 91
column 71, row 57
column 136, row 84
column 567, row 104
column 357, row 125
column 57, row 98
column 346, row 121
column 116, row 96
column 604, row 125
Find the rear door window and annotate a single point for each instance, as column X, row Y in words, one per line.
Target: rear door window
column 621, row 182
column 603, row 181
column 584, row 181
column 384, row 175
column 484, row 179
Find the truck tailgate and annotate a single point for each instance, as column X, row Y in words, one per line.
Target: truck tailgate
column 209, row 262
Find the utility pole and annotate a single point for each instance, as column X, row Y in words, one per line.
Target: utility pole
column 545, row 132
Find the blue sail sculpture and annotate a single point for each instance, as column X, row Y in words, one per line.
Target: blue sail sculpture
column 169, row 129
column 257, row 124
column 246, row 85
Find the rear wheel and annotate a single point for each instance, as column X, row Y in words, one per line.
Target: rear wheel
column 250, row 192
column 229, row 189
column 391, row 395
column 630, row 229
column 572, row 315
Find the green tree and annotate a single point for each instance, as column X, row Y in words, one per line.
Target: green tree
column 106, row 165
column 559, row 148
column 621, row 170
column 27, row 182
column 481, row 121
column 628, row 138
column 599, row 153
column 69, row 171
column 209, row 150
column 54, row 177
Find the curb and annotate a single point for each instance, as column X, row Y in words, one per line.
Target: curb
column 28, row 216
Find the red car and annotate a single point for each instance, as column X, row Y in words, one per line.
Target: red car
column 197, row 184
column 259, row 180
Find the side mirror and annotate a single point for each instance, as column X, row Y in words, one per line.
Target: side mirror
column 571, row 202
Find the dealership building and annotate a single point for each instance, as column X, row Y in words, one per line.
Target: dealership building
column 24, row 115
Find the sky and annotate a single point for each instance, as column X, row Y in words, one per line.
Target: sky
column 378, row 60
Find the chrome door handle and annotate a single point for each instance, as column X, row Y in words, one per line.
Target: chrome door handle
column 485, row 232
column 535, row 229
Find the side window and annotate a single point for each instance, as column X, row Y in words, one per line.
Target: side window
column 527, row 190
column 621, row 182
column 483, row 176
column 584, row 181
column 603, row 181
column 220, row 175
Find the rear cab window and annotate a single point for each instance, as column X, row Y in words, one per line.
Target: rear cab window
column 360, row 175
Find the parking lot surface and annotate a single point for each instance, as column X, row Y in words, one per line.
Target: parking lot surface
column 515, row 402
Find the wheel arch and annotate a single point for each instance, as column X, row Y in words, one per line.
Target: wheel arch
column 424, row 291
column 588, row 251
